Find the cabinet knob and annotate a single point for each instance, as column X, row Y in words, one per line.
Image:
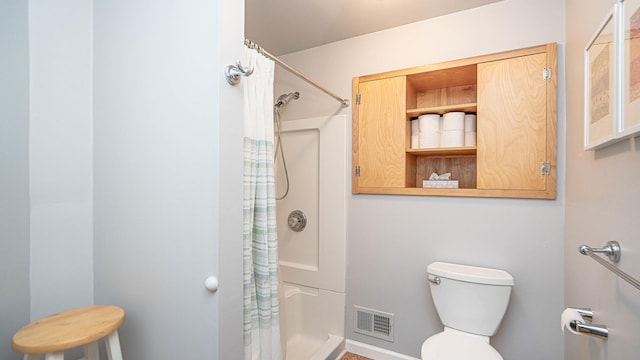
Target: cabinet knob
column 211, row 283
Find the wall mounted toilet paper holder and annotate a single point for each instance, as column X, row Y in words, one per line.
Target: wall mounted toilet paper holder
column 599, row 331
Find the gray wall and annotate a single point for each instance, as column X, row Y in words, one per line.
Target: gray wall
column 61, row 155
column 14, row 171
column 47, row 159
column 391, row 239
column 602, row 205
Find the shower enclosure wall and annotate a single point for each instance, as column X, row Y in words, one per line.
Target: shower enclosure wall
column 312, row 259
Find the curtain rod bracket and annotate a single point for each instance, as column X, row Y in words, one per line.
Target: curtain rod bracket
column 233, row 72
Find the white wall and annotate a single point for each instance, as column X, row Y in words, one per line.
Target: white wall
column 599, row 208
column 391, row 239
column 60, row 149
column 168, row 175
column 14, row 172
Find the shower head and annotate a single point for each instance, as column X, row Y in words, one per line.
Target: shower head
column 285, row 98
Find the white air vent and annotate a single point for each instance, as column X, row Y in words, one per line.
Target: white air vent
column 373, row 323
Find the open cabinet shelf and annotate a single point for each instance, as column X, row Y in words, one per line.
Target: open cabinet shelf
column 467, row 108
column 444, row 152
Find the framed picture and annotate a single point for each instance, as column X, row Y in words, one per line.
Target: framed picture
column 630, row 120
column 601, row 83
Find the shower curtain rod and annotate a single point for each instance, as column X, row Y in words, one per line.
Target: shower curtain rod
column 250, row 44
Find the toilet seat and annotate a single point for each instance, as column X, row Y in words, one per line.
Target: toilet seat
column 455, row 345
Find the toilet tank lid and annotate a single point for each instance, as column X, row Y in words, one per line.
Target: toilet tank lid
column 472, row 274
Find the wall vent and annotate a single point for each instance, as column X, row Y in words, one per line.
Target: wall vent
column 373, row 323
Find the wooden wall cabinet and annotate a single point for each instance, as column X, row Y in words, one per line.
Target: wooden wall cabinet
column 513, row 94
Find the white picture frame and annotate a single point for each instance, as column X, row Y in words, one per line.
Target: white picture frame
column 602, row 83
column 629, row 124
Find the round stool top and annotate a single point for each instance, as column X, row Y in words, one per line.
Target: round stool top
column 68, row 329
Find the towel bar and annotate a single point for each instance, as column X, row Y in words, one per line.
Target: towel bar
column 613, row 251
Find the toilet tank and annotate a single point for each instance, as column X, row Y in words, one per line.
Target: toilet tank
column 469, row 298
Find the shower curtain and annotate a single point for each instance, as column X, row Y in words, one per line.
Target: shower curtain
column 261, row 314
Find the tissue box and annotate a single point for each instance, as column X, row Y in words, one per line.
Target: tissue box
column 440, row 184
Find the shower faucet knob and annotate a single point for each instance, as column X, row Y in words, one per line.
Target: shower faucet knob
column 297, row 220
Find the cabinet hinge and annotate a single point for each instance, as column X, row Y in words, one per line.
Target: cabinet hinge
column 546, row 74
column 358, row 99
column 545, row 169
column 357, row 170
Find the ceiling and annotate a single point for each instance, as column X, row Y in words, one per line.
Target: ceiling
column 285, row 26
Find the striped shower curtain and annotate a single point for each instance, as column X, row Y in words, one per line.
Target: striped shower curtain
column 261, row 318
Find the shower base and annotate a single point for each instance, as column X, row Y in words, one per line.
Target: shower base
column 314, row 323
column 302, row 347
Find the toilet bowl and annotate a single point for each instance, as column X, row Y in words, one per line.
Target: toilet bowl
column 456, row 345
column 471, row 302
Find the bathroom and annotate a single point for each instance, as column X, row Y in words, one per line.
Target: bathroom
column 82, row 225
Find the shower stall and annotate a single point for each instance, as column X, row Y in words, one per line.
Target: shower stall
column 310, row 168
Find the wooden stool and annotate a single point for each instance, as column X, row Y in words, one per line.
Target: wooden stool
column 84, row 326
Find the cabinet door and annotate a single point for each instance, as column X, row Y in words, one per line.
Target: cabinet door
column 380, row 134
column 512, row 124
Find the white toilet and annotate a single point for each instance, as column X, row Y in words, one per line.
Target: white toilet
column 471, row 302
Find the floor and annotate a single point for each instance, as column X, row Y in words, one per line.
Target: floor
column 350, row 356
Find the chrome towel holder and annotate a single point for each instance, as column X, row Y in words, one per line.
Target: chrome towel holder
column 613, row 251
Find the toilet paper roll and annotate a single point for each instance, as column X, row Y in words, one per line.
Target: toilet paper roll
column 453, row 121
column 429, row 122
column 415, row 127
column 452, row 138
column 470, row 138
column 429, row 139
column 469, row 122
column 569, row 315
column 415, row 141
